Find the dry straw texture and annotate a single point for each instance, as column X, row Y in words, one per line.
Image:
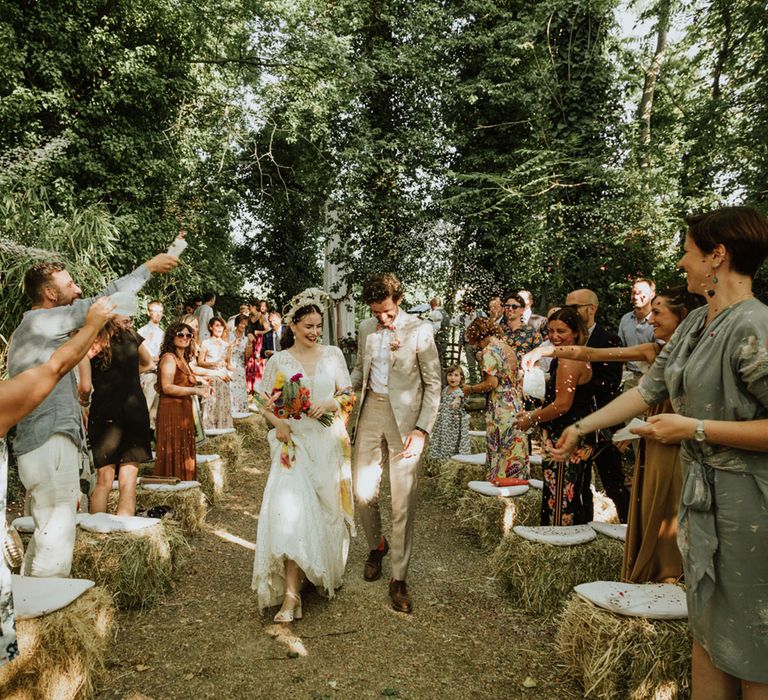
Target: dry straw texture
column 624, row 658
column 213, row 478
column 135, row 567
column 62, row 654
column 491, row 517
column 453, row 478
column 477, row 420
column 229, row 446
column 188, row 507
column 540, row 576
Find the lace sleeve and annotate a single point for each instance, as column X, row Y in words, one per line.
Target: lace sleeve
column 270, row 374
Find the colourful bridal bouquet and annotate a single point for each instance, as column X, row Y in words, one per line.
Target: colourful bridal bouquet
column 290, row 399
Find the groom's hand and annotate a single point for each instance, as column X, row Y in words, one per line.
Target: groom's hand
column 414, row 445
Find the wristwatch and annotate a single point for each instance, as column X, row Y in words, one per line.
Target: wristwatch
column 699, row 435
column 422, row 431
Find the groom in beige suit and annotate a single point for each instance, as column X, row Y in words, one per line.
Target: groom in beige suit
column 398, row 374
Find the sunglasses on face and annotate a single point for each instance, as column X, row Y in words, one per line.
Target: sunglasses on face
column 512, row 306
column 183, row 334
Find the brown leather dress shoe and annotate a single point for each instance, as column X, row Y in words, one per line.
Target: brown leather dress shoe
column 398, row 594
column 372, row 570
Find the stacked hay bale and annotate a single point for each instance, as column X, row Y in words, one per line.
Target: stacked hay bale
column 454, row 476
column 539, row 577
column 135, row 567
column 62, row 654
column 212, row 474
column 618, row 657
column 477, row 420
column 490, row 518
column 188, row 506
column 229, row 446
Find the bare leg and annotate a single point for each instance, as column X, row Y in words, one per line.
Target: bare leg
column 754, row 691
column 104, row 477
column 126, row 476
column 708, row 681
column 292, row 585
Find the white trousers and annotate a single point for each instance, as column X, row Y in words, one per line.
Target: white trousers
column 51, row 475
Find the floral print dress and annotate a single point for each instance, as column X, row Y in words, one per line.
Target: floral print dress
column 506, row 446
column 450, row 436
column 238, row 390
column 9, row 649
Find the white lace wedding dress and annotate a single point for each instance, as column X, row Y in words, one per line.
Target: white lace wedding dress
column 306, row 512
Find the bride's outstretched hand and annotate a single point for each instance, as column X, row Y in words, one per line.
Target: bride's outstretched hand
column 316, row 410
column 567, row 443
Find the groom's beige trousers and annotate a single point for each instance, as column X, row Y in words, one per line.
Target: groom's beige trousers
column 378, row 442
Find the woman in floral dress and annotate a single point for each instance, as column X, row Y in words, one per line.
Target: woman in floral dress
column 506, row 446
column 569, row 397
column 240, row 350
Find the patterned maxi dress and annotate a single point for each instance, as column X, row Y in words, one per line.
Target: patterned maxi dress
column 565, row 482
column 506, row 446
column 719, row 371
column 307, row 510
column 217, row 408
column 450, row 436
column 238, row 390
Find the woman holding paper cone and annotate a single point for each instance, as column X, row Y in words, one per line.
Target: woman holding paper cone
column 650, row 553
column 715, row 372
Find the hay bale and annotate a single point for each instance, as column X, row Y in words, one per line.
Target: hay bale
column 540, row 576
column 432, row 466
column 62, row 654
column 135, row 567
column 454, row 476
column 478, row 444
column 189, row 507
column 253, row 430
column 212, row 475
column 229, row 446
column 618, row 657
column 477, row 420
column 489, row 518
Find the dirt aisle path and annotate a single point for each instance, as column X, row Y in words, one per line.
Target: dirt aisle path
column 206, row 639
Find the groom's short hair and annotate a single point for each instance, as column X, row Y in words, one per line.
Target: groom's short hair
column 379, row 287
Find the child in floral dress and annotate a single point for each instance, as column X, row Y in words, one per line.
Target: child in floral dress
column 450, row 435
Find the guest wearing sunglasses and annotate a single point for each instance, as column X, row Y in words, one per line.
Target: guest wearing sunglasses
column 518, row 334
column 177, row 384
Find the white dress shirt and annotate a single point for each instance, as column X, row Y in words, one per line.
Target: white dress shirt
column 381, row 351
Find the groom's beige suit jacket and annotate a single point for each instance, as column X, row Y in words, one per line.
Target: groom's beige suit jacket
column 415, row 379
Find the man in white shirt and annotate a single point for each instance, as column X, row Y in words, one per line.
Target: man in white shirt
column 153, row 336
column 204, row 314
column 635, row 326
column 398, row 374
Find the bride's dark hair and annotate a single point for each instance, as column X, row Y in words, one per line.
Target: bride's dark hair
column 296, row 316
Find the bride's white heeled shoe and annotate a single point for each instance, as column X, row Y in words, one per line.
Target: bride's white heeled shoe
column 291, row 614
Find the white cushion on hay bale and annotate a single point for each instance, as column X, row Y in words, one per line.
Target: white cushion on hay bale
column 35, row 597
column 213, row 432
column 25, row 524
column 477, row 433
column 241, row 415
column 657, row 601
column 616, row 530
column 562, row 536
column 536, row 484
column 478, row 458
column 488, row 489
column 181, row 486
column 535, row 459
column 202, row 459
column 105, row 522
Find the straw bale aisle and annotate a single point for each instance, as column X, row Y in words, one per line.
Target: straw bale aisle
column 206, row 640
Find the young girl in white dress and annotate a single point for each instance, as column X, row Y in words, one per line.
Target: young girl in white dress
column 212, row 355
column 306, row 515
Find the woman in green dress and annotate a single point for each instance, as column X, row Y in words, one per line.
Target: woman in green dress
column 714, row 370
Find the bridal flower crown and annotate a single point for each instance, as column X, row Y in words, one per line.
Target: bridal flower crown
column 311, row 296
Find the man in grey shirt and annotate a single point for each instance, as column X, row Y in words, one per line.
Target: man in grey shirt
column 48, row 440
column 635, row 327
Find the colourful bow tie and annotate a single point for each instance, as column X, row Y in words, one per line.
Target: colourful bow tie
column 382, row 327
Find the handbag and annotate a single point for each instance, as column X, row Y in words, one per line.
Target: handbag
column 197, row 417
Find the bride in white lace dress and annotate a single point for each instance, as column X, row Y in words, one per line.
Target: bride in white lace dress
column 306, row 515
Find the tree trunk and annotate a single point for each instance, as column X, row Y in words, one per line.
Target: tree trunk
column 645, row 109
